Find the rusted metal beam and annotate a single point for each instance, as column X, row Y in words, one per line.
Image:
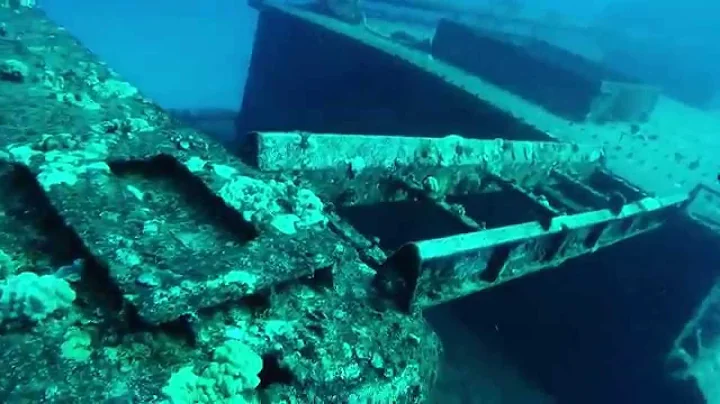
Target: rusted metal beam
column 427, row 273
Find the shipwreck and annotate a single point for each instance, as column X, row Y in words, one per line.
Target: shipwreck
column 376, row 175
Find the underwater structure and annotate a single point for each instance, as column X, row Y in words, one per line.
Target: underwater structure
column 476, row 78
column 141, row 261
column 695, row 354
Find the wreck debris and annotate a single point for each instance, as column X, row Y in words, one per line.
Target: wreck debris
column 575, row 206
column 695, row 355
column 196, row 277
column 183, row 249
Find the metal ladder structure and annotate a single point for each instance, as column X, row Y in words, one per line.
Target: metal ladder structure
column 566, row 204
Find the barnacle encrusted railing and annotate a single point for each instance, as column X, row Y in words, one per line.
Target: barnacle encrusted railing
column 558, row 200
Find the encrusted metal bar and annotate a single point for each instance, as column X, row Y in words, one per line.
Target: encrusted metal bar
column 541, row 206
column 610, row 184
column 368, row 165
column 430, row 272
column 457, row 212
column 368, row 250
column 559, row 200
column 581, row 192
